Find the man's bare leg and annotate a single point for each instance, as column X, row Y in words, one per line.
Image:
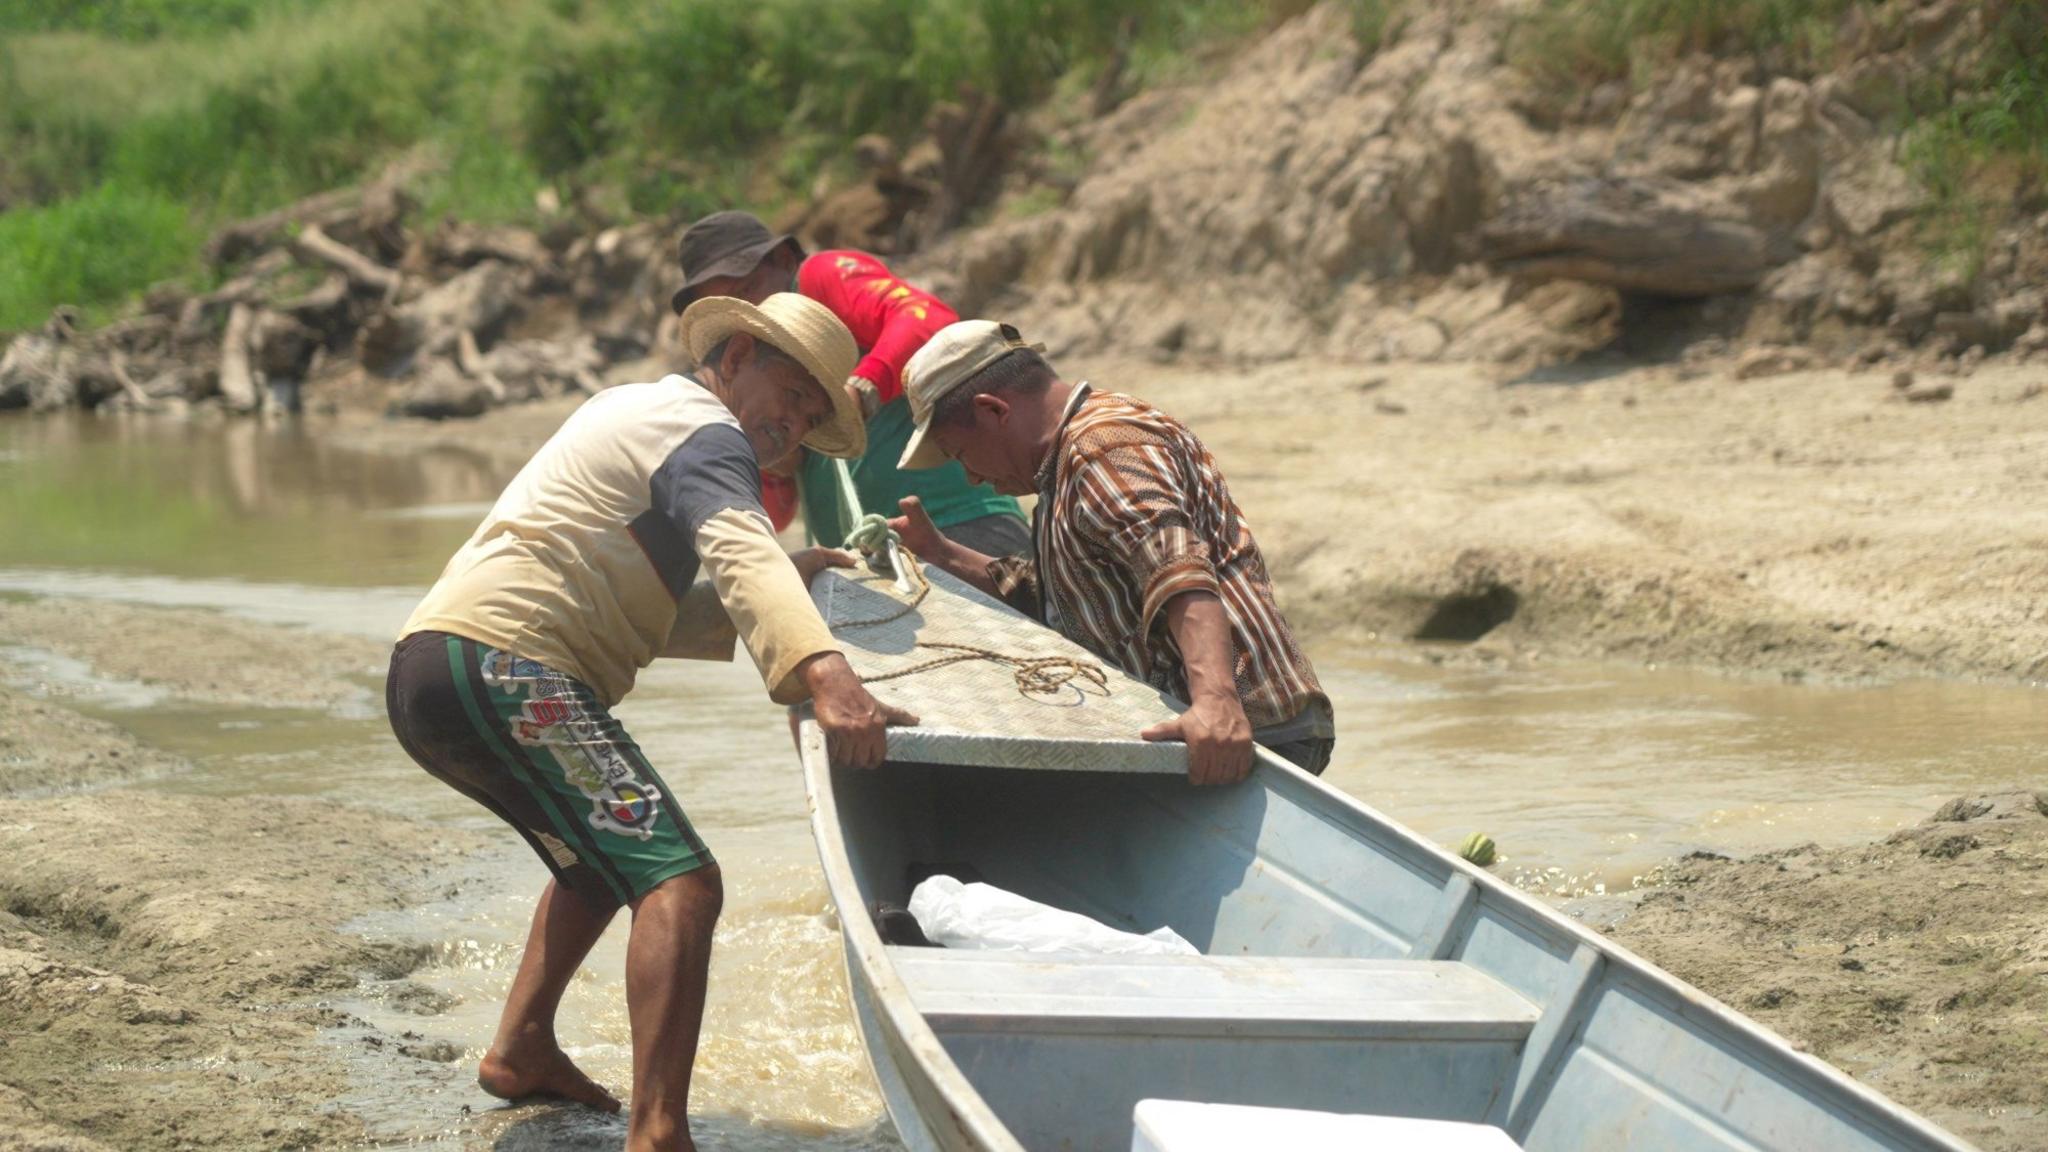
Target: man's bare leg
column 525, row 1060
column 668, row 963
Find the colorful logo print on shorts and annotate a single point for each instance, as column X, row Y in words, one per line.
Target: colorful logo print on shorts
column 582, row 742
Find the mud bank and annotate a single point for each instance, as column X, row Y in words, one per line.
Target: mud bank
column 45, row 748
column 1919, row 964
column 201, row 657
column 166, row 959
column 1808, row 524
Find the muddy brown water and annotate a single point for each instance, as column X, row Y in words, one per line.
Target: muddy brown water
column 1587, row 776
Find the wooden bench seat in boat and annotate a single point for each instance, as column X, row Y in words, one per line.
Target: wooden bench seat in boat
column 1324, row 999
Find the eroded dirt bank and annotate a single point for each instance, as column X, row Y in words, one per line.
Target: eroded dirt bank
column 1919, row 964
column 1811, row 523
column 164, row 958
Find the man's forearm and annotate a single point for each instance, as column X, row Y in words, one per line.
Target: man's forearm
column 966, row 564
column 1201, row 631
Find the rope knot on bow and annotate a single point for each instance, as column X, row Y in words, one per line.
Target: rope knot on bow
column 872, row 534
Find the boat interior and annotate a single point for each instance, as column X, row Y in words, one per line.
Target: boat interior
column 1346, row 967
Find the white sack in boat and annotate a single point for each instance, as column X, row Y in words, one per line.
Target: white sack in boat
column 979, row 916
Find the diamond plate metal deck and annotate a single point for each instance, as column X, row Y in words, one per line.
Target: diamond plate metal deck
column 971, row 712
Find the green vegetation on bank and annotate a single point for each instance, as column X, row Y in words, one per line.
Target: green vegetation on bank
column 131, row 128
column 132, row 19
column 229, row 107
column 1979, row 148
column 1574, row 44
column 92, row 247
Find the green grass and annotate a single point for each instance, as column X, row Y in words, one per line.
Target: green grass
column 1376, row 23
column 1574, row 43
column 228, row 107
column 1978, row 140
column 90, row 249
column 133, row 19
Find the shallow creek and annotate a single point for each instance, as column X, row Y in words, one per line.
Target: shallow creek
column 1587, row 776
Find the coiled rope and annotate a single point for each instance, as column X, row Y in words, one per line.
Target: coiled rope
column 1035, row 675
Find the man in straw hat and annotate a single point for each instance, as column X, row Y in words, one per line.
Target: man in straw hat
column 734, row 254
column 1138, row 552
column 583, row 572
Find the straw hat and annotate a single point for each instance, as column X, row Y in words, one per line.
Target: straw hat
column 808, row 333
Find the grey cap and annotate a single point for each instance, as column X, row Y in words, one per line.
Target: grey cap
column 954, row 355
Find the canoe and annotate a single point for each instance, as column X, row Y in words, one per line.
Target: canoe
column 1348, row 965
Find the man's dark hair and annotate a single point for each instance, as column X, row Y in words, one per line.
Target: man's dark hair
column 1021, row 373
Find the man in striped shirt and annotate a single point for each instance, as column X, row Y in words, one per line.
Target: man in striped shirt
column 1138, row 551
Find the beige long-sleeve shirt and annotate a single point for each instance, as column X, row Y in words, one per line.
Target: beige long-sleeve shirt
column 588, row 562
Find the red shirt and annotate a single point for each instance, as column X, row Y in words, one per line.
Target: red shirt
column 890, row 320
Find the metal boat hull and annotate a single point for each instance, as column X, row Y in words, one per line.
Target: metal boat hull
column 1349, row 965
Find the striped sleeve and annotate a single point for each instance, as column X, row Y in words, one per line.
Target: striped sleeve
column 1016, row 581
column 1133, row 498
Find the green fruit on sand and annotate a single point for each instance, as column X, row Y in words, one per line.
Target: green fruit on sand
column 1478, row 848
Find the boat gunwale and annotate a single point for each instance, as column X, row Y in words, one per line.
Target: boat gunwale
column 889, row 998
column 1621, row 969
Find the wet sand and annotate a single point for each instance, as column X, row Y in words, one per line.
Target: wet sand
column 1918, row 964
column 202, row 657
column 190, row 960
column 164, row 959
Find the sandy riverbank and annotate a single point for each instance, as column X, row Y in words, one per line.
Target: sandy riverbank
column 165, row 959
column 1919, row 964
column 1811, row 524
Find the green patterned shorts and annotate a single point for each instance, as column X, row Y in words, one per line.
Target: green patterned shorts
column 540, row 750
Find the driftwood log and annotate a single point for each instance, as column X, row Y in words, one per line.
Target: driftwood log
column 472, row 362
column 1631, row 235
column 375, row 208
column 238, row 386
column 968, row 151
column 197, row 311
column 244, row 238
column 315, row 246
column 479, row 301
column 139, row 400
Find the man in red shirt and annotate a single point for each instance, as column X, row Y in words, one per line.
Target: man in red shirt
column 734, row 254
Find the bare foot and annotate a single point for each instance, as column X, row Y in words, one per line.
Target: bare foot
column 542, row 1072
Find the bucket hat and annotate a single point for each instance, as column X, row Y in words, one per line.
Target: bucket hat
column 724, row 244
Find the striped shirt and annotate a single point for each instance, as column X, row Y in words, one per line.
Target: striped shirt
column 1132, row 511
